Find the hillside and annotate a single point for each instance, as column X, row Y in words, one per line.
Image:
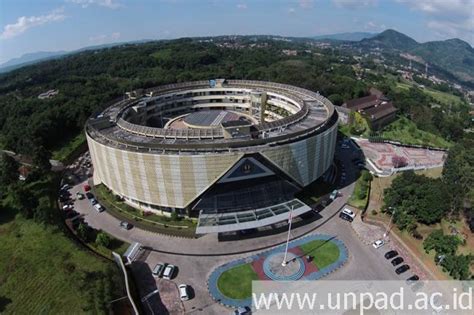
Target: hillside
column 29, row 58
column 391, row 39
column 352, row 36
column 453, row 55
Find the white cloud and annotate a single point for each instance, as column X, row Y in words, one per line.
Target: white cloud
column 24, row 23
column 354, row 4
column 111, row 4
column 306, row 4
column 103, row 38
column 242, row 6
column 291, row 10
column 448, row 18
column 374, row 26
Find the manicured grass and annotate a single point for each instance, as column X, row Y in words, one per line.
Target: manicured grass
column 324, row 252
column 355, row 199
column 356, row 202
column 406, row 132
column 41, row 269
column 66, row 150
column 236, row 283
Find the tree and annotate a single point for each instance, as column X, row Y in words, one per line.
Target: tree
column 103, row 239
column 458, row 266
column 441, row 244
column 44, row 212
column 23, row 200
column 425, row 200
column 83, row 232
column 8, row 170
column 41, row 158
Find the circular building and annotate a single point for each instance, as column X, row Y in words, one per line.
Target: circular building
column 233, row 152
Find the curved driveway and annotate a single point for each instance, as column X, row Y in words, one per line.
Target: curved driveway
column 207, row 245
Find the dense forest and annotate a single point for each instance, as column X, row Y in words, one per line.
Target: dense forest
column 89, row 80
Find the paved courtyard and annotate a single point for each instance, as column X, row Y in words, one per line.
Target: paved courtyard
column 382, row 155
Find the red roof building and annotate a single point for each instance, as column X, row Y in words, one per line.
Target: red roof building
column 375, row 108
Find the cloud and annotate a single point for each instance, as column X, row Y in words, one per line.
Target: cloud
column 354, row 4
column 291, row 10
column 24, row 23
column 448, row 18
column 242, row 6
column 373, row 26
column 102, row 38
column 111, row 4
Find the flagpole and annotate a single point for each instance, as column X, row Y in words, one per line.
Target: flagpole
column 288, row 237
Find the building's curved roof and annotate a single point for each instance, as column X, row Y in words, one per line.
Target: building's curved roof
column 311, row 113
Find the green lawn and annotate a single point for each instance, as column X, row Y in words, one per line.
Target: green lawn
column 236, row 283
column 440, row 97
column 324, row 252
column 41, row 269
column 354, row 200
column 406, row 132
column 68, row 148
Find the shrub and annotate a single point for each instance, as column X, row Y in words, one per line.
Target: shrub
column 174, row 216
column 103, row 239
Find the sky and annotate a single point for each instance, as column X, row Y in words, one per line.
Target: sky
column 52, row 25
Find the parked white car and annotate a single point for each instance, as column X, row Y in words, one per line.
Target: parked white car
column 169, row 271
column 349, row 212
column 378, row 244
column 183, row 292
column 99, row 207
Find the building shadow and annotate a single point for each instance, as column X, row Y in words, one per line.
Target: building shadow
column 151, row 302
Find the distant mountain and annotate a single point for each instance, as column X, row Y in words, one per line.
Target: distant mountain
column 453, row 55
column 391, row 39
column 29, row 58
column 351, row 37
column 32, row 58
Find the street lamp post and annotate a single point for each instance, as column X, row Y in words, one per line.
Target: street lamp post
column 290, row 219
column 389, row 225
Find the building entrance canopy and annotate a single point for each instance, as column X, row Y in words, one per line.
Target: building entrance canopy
column 242, row 220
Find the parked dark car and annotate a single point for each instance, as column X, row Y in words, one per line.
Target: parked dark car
column 412, row 279
column 89, row 195
column 125, row 225
column 391, row 254
column 402, row 269
column 397, row 261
